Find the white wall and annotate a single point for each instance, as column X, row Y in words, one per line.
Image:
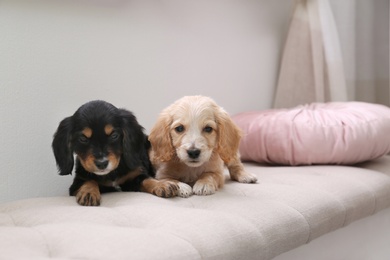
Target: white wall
column 142, row 55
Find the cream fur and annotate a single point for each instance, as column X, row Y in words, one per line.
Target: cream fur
column 196, row 123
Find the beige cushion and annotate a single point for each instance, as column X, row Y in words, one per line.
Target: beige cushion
column 289, row 207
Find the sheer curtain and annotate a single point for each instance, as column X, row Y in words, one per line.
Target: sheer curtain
column 311, row 67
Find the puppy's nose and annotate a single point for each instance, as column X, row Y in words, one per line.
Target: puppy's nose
column 101, row 164
column 193, row 153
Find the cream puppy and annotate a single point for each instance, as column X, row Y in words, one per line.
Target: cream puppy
column 191, row 141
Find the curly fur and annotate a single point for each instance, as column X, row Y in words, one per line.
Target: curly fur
column 191, row 142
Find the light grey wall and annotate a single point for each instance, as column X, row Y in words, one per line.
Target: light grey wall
column 142, row 55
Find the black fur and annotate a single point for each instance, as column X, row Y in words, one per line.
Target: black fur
column 127, row 142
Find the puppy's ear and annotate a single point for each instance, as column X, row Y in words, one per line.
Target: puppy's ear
column 160, row 138
column 62, row 149
column 229, row 136
column 133, row 139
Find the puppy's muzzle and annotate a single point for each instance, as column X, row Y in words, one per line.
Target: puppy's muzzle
column 101, row 164
column 193, row 153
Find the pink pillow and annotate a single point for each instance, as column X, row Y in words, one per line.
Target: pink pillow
column 319, row 133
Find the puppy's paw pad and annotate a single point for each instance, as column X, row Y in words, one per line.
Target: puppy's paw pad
column 201, row 188
column 185, row 190
column 166, row 189
column 88, row 198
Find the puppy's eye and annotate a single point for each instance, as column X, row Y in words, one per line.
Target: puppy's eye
column 179, row 128
column 114, row 136
column 208, row 129
column 83, row 139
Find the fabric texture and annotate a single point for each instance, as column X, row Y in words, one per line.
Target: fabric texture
column 319, row 133
column 312, row 67
column 289, row 207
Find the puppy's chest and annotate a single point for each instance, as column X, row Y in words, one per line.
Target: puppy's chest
column 191, row 175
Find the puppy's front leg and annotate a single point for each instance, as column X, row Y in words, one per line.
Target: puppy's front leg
column 238, row 173
column 88, row 194
column 185, row 190
column 208, row 183
column 160, row 188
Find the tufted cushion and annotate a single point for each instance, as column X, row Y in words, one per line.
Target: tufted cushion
column 288, row 208
column 319, row 133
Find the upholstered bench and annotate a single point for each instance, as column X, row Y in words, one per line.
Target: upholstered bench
column 290, row 206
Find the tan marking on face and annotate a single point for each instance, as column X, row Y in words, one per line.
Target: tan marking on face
column 108, row 129
column 87, row 132
column 114, row 160
column 88, row 194
column 88, row 163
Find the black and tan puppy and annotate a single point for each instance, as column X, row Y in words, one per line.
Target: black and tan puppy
column 111, row 154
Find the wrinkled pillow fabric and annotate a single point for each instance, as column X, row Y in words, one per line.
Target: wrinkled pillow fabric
column 318, row 133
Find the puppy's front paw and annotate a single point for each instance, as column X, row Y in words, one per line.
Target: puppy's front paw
column 245, row 177
column 165, row 189
column 204, row 188
column 185, row 190
column 88, row 195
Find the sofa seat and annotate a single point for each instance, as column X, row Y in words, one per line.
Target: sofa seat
column 289, row 207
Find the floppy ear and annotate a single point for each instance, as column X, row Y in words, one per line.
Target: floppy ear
column 160, row 138
column 62, row 149
column 133, row 139
column 229, row 136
